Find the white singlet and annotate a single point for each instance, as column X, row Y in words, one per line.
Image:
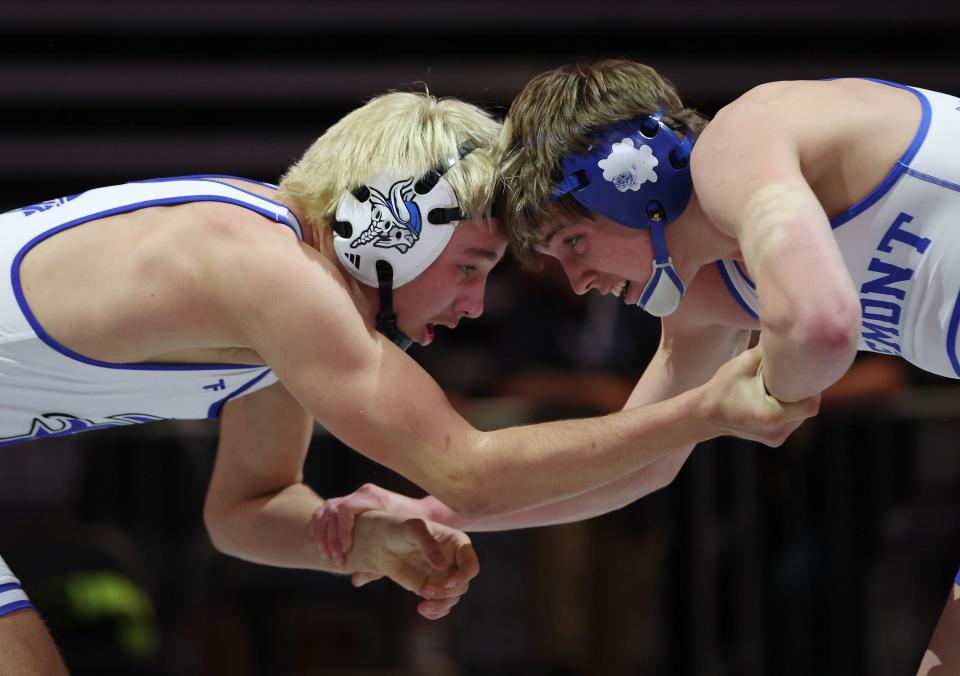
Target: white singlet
column 901, row 244
column 48, row 390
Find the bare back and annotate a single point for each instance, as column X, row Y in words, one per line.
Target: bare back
column 134, row 287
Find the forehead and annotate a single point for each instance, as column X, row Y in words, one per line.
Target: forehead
column 549, row 230
column 483, row 239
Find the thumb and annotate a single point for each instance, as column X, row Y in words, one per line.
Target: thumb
column 419, row 534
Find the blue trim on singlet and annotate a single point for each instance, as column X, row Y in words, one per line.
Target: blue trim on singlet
column 899, row 168
column 298, row 229
column 745, row 276
column 936, row 180
column 203, row 177
column 955, row 316
column 956, row 580
column 217, row 407
column 952, row 337
column 13, row 605
column 733, row 291
column 62, row 349
column 16, row 605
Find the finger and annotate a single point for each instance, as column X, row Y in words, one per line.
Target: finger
column 434, row 590
column 456, row 580
column 417, row 532
column 346, row 520
column 467, row 568
column 434, row 610
column 333, row 537
column 361, row 579
column 317, row 526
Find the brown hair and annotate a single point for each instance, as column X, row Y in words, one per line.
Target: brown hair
column 555, row 115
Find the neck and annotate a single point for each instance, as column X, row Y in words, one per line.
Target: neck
column 320, row 238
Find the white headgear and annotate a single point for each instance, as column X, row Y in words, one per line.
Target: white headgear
column 389, row 230
column 388, row 219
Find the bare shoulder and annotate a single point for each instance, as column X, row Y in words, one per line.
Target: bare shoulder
column 800, row 108
column 275, row 291
column 839, row 136
column 756, row 113
column 252, row 259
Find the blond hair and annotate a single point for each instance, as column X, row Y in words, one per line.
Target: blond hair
column 407, row 133
column 556, row 114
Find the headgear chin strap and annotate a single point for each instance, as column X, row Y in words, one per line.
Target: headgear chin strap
column 389, row 230
column 637, row 173
column 658, row 298
column 386, row 317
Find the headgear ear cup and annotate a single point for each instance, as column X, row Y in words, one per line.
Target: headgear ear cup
column 393, row 225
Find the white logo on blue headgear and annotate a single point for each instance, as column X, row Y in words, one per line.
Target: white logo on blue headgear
column 629, row 167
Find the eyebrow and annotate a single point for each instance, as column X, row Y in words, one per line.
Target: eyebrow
column 485, row 254
column 557, row 227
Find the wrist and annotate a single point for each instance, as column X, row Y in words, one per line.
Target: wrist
column 705, row 409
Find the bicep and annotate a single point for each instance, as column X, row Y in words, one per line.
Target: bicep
column 358, row 385
column 751, row 186
column 389, row 409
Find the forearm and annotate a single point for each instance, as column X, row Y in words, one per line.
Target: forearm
column 273, row 530
column 607, row 498
column 527, row 467
column 678, row 370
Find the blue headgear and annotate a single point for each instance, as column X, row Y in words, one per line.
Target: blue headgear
column 637, row 173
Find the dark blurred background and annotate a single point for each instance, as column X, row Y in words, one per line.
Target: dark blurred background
column 830, row 555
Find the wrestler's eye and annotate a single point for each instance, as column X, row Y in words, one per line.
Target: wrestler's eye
column 572, row 241
column 467, row 269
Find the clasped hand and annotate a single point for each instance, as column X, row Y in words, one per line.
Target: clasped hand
column 429, row 559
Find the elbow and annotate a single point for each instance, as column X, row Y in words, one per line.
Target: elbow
column 467, row 499
column 471, row 483
column 828, row 333
column 472, row 491
column 832, row 335
column 215, row 522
